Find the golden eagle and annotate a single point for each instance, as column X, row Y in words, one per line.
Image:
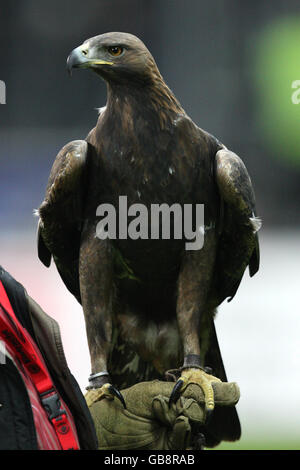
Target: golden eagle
column 149, row 304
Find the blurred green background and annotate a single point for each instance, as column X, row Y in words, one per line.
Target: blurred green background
column 275, row 73
column 232, row 65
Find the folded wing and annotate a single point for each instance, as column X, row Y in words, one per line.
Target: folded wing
column 238, row 246
column 62, row 213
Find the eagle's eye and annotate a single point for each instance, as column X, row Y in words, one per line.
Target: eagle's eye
column 115, row 50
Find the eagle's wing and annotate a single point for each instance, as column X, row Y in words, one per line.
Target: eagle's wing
column 238, row 248
column 61, row 213
column 238, row 245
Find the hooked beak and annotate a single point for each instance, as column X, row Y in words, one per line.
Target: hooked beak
column 79, row 58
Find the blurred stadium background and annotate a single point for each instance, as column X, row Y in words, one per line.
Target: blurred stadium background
column 232, row 65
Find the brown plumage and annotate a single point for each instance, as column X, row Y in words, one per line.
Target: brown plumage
column 148, row 304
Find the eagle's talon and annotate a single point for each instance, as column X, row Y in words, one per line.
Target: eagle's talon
column 176, row 392
column 115, row 392
column 208, row 415
column 106, row 391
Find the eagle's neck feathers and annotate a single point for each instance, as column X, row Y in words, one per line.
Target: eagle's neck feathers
column 152, row 101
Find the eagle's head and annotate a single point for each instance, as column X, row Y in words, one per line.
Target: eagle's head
column 116, row 57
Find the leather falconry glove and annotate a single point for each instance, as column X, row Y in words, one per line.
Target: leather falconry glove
column 150, row 423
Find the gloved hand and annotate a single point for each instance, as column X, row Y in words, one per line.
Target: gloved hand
column 148, row 422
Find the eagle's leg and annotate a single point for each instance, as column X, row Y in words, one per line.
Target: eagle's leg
column 97, row 294
column 194, row 318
